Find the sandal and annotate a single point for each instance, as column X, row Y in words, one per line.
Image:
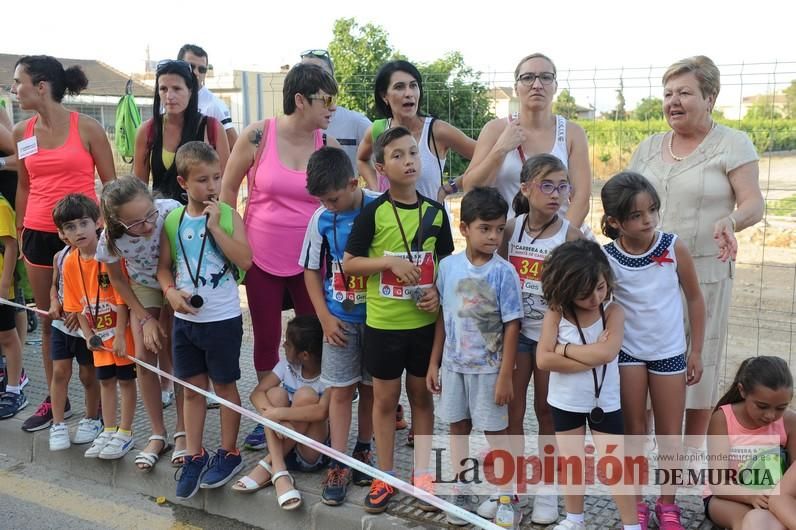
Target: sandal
column 291, row 499
column 246, row 484
column 178, row 455
column 145, row 460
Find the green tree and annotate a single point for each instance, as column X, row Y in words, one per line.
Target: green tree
column 565, row 105
column 790, row 100
column 763, row 108
column 650, row 108
column 358, row 52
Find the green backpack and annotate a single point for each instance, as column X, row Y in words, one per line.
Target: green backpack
column 128, row 119
column 172, row 223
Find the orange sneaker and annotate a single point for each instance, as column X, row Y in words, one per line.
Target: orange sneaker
column 378, row 497
column 426, row 483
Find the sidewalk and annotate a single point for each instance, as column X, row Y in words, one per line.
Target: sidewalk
column 259, row 509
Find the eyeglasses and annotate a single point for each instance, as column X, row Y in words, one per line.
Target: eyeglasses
column 528, row 79
column 323, row 54
column 548, row 187
column 328, row 101
column 150, row 218
column 176, row 63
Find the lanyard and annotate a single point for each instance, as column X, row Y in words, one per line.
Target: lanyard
column 541, row 230
column 195, row 280
column 85, row 291
column 334, row 232
column 597, row 388
column 401, row 228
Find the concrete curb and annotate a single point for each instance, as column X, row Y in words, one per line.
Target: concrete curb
column 258, row 509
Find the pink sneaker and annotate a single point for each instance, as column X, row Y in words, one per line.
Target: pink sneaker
column 668, row 516
column 643, row 514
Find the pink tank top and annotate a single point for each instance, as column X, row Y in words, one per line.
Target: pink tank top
column 55, row 173
column 278, row 210
column 737, row 432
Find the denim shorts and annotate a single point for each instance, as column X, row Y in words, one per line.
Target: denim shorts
column 342, row 366
column 526, row 345
column 211, row 348
column 295, row 462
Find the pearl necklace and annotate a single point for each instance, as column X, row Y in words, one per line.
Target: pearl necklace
column 681, row 158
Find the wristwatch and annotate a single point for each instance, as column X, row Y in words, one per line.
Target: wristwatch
column 453, row 186
column 2, row 163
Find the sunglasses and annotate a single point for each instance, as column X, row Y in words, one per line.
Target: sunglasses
column 174, row 63
column 546, row 78
column 323, row 54
column 150, row 218
column 328, row 101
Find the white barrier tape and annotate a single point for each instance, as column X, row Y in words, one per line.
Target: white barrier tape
column 395, row 482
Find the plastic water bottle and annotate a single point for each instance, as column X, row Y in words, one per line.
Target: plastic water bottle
column 504, row 518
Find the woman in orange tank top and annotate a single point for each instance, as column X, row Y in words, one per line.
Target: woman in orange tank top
column 58, row 152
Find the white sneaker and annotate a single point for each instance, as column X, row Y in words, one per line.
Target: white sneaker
column 118, row 446
column 87, row 431
column 59, row 437
column 568, row 524
column 488, row 508
column 545, row 509
column 98, row 444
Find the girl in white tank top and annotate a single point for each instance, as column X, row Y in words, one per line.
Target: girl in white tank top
column 579, row 345
column 527, row 240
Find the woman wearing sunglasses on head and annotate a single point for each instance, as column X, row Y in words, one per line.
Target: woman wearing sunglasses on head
column 58, row 152
column 175, row 120
column 505, row 143
column 398, row 91
column 274, row 153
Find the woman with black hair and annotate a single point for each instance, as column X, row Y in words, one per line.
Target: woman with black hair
column 175, row 120
column 58, row 152
column 398, row 91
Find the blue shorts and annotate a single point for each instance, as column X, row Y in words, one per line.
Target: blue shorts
column 125, row 372
column 526, row 345
column 65, row 347
column 295, row 462
column 671, row 366
column 211, row 348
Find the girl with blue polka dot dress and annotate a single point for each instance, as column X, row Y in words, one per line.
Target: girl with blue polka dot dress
column 655, row 279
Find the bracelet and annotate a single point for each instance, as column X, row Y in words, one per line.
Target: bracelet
column 146, row 319
column 2, row 163
column 734, row 223
column 565, row 348
column 167, row 289
column 454, row 187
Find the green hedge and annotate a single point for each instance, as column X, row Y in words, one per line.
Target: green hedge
column 766, row 134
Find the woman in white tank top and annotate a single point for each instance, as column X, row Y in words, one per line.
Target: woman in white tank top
column 398, row 92
column 504, row 143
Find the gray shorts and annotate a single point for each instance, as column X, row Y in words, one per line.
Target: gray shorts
column 343, row 366
column 471, row 396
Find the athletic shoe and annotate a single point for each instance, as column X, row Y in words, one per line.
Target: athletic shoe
column 488, row 508
column 545, row 509
column 43, row 417
column 223, row 466
column 335, row 486
column 643, row 515
column 668, row 516
column 190, row 475
column 99, row 444
column 465, row 502
column 59, row 437
column 426, row 483
column 118, row 446
column 359, row 478
column 87, row 431
column 569, row 524
column 11, row 403
column 23, row 379
column 378, row 497
column 255, row 440
column 400, row 422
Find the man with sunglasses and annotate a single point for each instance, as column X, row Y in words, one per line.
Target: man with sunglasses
column 347, row 126
column 209, row 103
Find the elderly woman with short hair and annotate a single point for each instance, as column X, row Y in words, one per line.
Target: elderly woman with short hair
column 707, row 177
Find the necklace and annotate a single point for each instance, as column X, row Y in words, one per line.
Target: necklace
column 681, row 158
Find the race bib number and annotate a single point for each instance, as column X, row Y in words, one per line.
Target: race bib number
column 105, row 324
column 344, row 287
column 27, row 147
column 528, row 264
column 391, row 287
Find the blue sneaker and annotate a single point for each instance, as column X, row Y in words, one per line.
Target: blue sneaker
column 11, row 403
column 223, row 466
column 190, row 475
column 256, row 439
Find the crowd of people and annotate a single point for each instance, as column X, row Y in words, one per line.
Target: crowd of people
column 151, row 269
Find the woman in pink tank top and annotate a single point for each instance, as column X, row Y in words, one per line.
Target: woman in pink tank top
column 58, row 152
column 274, row 153
column 752, row 418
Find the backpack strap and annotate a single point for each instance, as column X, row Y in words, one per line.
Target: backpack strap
column 378, row 127
column 150, row 135
column 170, row 225
column 259, row 153
column 436, row 151
column 211, row 129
